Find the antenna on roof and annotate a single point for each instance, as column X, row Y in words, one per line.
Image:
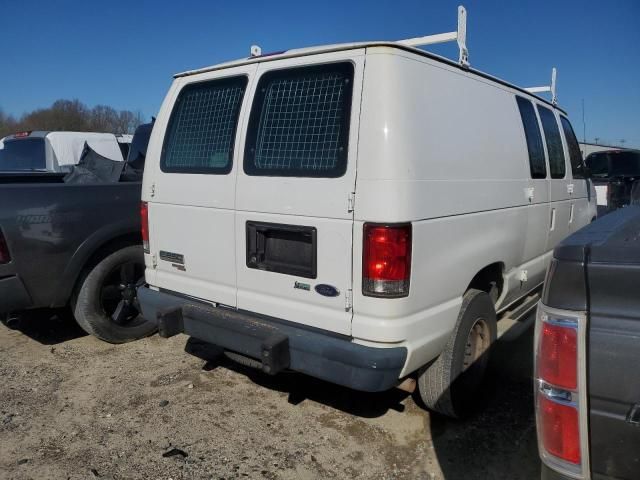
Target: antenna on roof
column 460, row 35
column 256, row 51
column 549, row 88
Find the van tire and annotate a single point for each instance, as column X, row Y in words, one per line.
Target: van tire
column 445, row 386
column 90, row 305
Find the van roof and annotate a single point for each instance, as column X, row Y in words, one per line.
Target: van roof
column 301, row 52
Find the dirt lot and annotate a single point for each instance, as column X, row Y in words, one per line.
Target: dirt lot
column 74, row 407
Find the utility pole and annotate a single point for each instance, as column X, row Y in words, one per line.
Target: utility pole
column 584, row 125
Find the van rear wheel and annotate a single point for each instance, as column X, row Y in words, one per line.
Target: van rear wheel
column 448, row 384
column 106, row 304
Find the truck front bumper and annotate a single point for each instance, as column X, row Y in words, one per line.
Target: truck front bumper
column 13, row 295
column 278, row 344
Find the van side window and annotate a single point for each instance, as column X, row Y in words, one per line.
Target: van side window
column 202, row 128
column 299, row 124
column 574, row 149
column 534, row 138
column 552, row 136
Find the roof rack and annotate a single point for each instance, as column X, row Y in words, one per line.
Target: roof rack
column 549, row 88
column 460, row 35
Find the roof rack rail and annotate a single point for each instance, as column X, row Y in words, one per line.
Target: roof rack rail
column 460, row 35
column 549, row 88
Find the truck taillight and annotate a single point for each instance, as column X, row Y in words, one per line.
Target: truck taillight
column 386, row 260
column 561, row 401
column 559, row 429
column 4, row 250
column 144, row 225
column 558, row 363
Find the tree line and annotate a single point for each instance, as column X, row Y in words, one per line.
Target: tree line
column 72, row 115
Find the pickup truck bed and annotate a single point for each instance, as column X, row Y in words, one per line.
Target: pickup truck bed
column 597, row 270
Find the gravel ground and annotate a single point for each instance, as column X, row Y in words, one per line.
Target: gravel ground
column 72, row 407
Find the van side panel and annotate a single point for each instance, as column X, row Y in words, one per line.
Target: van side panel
column 446, row 151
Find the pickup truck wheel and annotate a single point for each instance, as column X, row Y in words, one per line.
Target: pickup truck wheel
column 448, row 384
column 106, row 305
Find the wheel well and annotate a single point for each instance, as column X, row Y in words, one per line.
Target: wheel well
column 490, row 280
column 104, row 251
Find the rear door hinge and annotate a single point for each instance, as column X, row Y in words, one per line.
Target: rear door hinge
column 351, row 203
column 348, row 300
column 154, row 260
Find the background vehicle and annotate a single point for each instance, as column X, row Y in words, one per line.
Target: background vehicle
column 58, row 151
column 369, row 222
column 587, row 352
column 75, row 244
column 614, row 173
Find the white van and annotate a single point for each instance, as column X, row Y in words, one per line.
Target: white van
column 361, row 213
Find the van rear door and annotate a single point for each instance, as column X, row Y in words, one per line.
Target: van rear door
column 294, row 196
column 192, row 194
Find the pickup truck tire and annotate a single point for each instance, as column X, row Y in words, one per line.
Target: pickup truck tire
column 448, row 384
column 105, row 304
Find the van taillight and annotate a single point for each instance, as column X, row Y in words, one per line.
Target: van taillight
column 386, row 260
column 4, row 250
column 561, row 414
column 144, row 225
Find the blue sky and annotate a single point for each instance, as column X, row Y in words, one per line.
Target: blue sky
column 123, row 54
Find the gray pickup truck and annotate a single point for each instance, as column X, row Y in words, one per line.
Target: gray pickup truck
column 587, row 348
column 76, row 244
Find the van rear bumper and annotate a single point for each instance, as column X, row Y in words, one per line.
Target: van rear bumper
column 278, row 344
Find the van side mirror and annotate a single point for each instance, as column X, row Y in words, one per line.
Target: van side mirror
column 586, row 171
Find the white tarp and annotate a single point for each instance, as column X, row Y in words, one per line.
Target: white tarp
column 67, row 146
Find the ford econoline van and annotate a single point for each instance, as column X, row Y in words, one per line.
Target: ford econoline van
column 362, row 213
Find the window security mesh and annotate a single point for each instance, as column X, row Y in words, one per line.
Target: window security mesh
column 303, row 122
column 203, row 125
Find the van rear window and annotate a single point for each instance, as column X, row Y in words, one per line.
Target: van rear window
column 532, row 133
column 299, row 124
column 202, row 128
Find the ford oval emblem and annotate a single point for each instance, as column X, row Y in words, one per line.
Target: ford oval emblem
column 327, row 290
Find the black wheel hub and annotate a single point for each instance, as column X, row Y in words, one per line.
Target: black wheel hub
column 118, row 296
